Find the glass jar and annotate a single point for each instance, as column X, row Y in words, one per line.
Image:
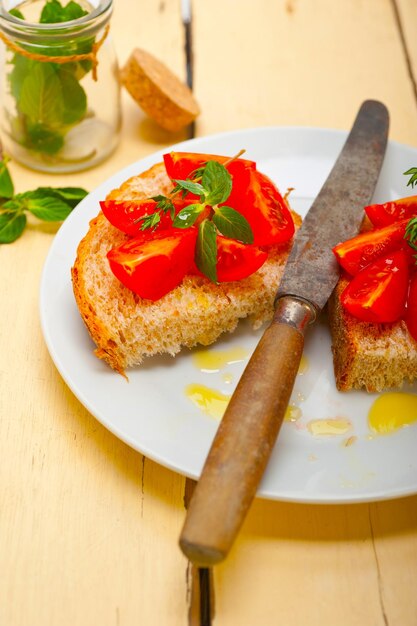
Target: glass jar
column 60, row 92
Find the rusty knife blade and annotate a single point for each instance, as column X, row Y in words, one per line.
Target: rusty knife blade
column 311, row 272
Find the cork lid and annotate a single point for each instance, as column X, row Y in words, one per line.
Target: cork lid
column 158, row 91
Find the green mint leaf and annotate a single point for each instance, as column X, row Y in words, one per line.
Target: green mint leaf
column 411, row 233
column 73, row 11
column 41, row 96
column 49, row 97
column 54, row 12
column 71, row 195
column 164, row 204
column 217, row 182
column 12, row 225
column 206, row 250
column 150, row 221
column 41, row 138
column 188, row 185
column 187, row 216
column 17, row 13
column 232, row 224
column 198, row 173
column 6, row 183
column 12, row 205
column 413, row 173
column 47, row 208
column 21, row 68
column 73, row 96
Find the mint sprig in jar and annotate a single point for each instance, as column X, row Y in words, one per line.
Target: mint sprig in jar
column 60, row 94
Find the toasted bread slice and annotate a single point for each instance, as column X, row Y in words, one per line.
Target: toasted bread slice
column 367, row 355
column 127, row 328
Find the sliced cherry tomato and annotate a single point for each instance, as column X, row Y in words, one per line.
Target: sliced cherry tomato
column 236, row 260
column 253, row 194
column 151, row 268
column 126, row 215
column 180, row 165
column 265, row 209
column 356, row 253
column 378, row 293
column 390, row 212
column 411, row 314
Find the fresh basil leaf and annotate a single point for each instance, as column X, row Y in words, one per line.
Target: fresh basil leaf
column 41, row 138
column 164, row 204
column 217, row 181
column 188, row 185
column 73, row 11
column 41, row 95
column 17, row 13
column 411, row 233
column 54, row 12
column 206, row 250
column 12, row 225
column 187, row 216
column 232, row 224
column 6, row 183
column 21, row 68
column 198, row 173
column 413, row 173
column 51, row 13
column 48, row 96
column 12, row 205
column 47, row 208
column 150, row 221
column 71, row 195
column 74, row 98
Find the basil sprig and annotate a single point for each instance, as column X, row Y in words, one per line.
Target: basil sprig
column 412, row 172
column 212, row 184
column 49, row 97
column 206, row 250
column 45, row 203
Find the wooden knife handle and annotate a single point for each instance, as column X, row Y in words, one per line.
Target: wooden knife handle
column 245, row 437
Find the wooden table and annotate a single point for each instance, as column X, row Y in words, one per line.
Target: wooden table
column 89, row 527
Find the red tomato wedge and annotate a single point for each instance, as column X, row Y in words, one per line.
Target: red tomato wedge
column 266, row 211
column 153, row 267
column 378, row 293
column 236, row 260
column 390, row 212
column 126, row 215
column 356, row 253
column 411, row 314
column 253, row 194
column 179, row 166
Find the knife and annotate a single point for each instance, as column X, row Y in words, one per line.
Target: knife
column 249, row 428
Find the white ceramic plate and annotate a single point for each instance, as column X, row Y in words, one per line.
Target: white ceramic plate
column 152, row 412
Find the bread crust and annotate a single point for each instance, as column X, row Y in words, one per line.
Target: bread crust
column 367, row 355
column 126, row 328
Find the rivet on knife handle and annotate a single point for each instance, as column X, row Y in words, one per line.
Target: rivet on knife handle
column 245, row 437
